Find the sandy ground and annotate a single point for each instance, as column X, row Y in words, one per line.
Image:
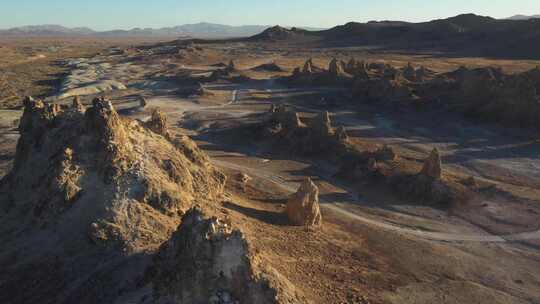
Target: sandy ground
column 373, row 243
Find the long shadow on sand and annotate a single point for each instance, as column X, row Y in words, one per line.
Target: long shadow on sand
column 273, row 218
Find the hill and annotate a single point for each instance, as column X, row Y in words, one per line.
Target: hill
column 465, row 35
column 197, row 30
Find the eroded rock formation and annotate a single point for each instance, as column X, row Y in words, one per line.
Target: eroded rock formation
column 487, row 93
column 432, row 165
column 287, row 118
column 158, row 123
column 231, row 67
column 62, row 153
column 308, row 66
column 322, row 124
column 207, row 261
column 77, row 104
column 409, row 72
column 106, row 190
column 303, row 206
column 244, row 179
column 309, row 74
column 335, row 68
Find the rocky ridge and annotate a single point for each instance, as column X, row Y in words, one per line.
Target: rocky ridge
column 108, row 194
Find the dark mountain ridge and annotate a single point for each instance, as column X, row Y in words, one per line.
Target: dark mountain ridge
column 466, row 34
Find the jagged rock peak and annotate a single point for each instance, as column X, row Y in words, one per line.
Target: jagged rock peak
column 206, row 261
column 104, row 157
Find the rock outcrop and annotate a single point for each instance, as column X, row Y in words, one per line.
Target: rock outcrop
column 351, row 65
column 231, row 67
column 386, row 153
column 303, row 206
column 322, row 124
column 158, row 123
column 268, row 67
column 409, row 72
column 335, row 68
column 372, row 165
column 106, row 190
column 244, row 179
column 432, row 165
column 98, row 161
column 207, row 261
column 308, row 67
column 309, row 74
column 287, row 118
column 486, row 93
column 341, row 134
column 77, row 104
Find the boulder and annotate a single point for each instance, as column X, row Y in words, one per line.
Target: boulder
column 432, row 165
column 303, row 206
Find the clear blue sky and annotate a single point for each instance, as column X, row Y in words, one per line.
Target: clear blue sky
column 109, row 14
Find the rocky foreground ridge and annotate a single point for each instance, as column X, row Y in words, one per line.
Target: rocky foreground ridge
column 101, row 209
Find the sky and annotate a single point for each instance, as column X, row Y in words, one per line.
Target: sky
column 126, row 14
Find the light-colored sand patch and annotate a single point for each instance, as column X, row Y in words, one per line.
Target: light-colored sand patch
column 9, row 118
column 93, row 88
column 154, row 85
column 90, row 77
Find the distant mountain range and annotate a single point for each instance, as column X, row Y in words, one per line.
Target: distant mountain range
column 523, row 17
column 467, row 34
column 199, row 30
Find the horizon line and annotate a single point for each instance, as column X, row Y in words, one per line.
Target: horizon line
column 245, row 25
